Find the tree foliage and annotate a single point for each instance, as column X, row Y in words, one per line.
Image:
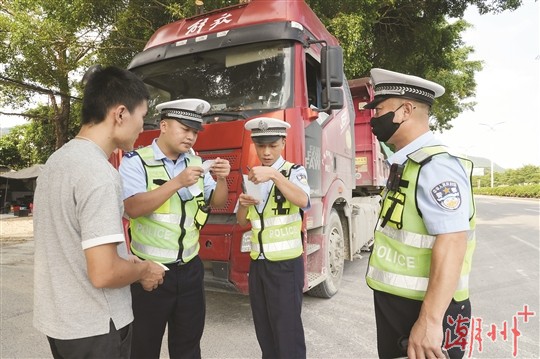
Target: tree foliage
column 47, row 44
column 526, row 175
column 50, row 43
column 34, row 141
column 408, row 36
column 411, row 37
column 11, row 154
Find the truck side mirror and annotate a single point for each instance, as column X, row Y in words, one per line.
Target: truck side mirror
column 332, row 65
column 332, row 77
column 336, row 99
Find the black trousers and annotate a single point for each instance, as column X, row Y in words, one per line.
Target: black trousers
column 179, row 303
column 395, row 317
column 275, row 293
column 115, row 344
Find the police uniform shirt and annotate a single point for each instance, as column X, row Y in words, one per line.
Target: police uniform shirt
column 439, row 174
column 298, row 176
column 134, row 174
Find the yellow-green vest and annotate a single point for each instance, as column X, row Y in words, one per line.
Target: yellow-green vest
column 401, row 258
column 277, row 231
column 174, row 226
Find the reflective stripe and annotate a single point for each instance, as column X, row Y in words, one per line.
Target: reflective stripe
column 171, row 218
column 276, row 221
column 413, row 239
column 162, row 252
column 154, row 251
column 152, row 162
column 409, row 282
column 278, row 246
column 424, row 153
column 187, row 252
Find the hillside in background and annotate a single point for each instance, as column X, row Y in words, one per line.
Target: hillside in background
column 481, row 162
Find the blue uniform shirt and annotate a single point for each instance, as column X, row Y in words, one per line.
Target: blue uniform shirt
column 442, row 168
column 134, row 176
column 298, row 176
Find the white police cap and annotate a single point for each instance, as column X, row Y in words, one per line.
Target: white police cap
column 188, row 111
column 266, row 129
column 389, row 84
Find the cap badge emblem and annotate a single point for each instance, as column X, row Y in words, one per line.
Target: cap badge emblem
column 199, row 108
column 263, row 126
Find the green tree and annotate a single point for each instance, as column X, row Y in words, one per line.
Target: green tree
column 12, row 153
column 412, row 37
column 46, row 45
column 528, row 174
column 409, row 36
column 525, row 175
column 50, row 43
column 34, row 141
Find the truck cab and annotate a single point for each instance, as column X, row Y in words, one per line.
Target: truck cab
column 273, row 59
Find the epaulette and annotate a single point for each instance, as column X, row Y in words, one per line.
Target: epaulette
column 130, row 154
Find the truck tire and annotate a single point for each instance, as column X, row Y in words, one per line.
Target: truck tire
column 336, row 259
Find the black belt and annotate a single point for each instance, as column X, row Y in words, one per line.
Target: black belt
column 176, row 263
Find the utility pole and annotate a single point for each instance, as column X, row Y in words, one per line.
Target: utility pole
column 492, row 128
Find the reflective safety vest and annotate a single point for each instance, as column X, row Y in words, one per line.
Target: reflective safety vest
column 401, row 258
column 171, row 232
column 277, row 231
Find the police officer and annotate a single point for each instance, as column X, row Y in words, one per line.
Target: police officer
column 424, row 238
column 276, row 274
column 166, row 193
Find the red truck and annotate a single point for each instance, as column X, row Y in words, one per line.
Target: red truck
column 273, row 59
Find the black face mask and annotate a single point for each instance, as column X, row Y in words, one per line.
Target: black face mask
column 383, row 126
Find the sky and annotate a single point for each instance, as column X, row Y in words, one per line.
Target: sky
column 505, row 124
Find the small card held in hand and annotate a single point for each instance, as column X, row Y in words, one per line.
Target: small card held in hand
column 206, row 165
column 252, row 189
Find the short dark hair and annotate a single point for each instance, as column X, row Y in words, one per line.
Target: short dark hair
column 108, row 87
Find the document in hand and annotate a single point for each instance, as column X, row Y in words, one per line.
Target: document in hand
column 206, row 165
column 252, row 189
column 194, row 189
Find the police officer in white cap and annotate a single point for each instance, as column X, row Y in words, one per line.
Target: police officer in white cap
column 276, row 275
column 166, row 195
column 424, row 239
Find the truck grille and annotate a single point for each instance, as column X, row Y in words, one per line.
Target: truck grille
column 233, row 180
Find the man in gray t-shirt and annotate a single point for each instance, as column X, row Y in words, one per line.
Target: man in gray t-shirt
column 82, row 301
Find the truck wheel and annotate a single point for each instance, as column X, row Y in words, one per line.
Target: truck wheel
column 336, row 259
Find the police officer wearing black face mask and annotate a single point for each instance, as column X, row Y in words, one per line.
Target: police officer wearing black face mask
column 424, row 239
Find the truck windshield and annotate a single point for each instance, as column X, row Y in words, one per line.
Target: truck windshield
column 238, row 82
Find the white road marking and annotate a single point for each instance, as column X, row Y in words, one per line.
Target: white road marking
column 525, row 242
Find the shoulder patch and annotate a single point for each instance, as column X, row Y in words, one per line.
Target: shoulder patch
column 447, row 195
column 302, row 178
column 130, row 154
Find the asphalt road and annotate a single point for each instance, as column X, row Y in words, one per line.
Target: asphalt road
column 505, row 279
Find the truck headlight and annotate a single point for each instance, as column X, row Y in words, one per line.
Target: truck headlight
column 245, row 246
